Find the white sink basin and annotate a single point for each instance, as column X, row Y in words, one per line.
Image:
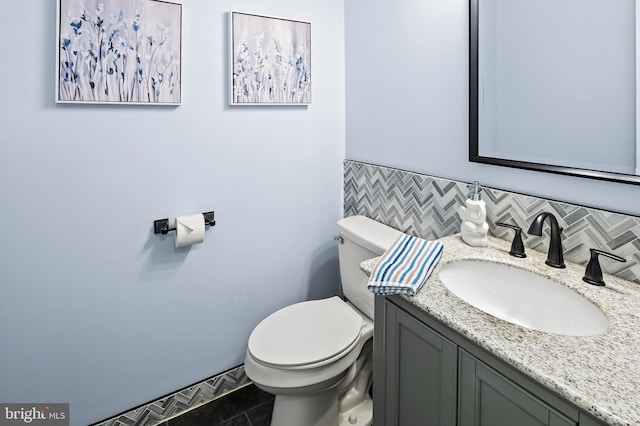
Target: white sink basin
column 523, row 298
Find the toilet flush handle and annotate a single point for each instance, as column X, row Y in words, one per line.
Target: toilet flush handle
column 339, row 239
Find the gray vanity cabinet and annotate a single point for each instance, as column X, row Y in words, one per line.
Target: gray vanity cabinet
column 426, row 374
column 416, row 390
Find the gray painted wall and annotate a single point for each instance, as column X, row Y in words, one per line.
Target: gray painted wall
column 97, row 311
column 407, row 102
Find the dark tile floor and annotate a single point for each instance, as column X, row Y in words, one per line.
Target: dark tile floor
column 248, row 406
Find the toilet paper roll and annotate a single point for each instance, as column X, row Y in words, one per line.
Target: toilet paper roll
column 189, row 230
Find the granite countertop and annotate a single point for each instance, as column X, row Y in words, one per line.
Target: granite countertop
column 599, row 374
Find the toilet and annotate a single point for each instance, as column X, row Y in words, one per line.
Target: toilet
column 316, row 357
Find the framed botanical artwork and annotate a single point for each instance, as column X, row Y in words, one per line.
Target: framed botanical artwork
column 119, row 51
column 269, row 60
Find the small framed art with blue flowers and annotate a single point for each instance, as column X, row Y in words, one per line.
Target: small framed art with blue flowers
column 269, row 60
column 119, row 52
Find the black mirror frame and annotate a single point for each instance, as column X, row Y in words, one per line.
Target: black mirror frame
column 474, row 153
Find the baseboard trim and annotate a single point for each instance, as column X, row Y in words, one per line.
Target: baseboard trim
column 183, row 400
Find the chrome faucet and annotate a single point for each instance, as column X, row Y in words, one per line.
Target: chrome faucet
column 555, row 258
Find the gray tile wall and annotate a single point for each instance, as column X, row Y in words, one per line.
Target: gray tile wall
column 426, row 206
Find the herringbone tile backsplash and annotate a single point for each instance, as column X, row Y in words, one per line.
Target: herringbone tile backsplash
column 425, row 206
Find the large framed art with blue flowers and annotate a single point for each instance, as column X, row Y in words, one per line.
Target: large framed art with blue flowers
column 269, row 60
column 119, row 51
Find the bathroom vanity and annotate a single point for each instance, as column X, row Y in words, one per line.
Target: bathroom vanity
column 441, row 361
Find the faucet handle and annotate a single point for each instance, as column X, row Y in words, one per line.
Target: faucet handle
column 517, row 246
column 593, row 273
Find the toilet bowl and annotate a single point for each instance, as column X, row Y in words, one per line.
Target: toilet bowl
column 314, row 348
column 316, row 356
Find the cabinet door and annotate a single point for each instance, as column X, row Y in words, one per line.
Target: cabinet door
column 489, row 399
column 420, row 373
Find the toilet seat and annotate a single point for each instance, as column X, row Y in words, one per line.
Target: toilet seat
column 309, row 333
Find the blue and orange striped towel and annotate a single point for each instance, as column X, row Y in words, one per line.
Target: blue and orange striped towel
column 405, row 266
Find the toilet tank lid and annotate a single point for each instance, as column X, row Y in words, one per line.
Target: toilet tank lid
column 368, row 233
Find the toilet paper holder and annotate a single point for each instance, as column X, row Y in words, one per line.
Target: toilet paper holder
column 161, row 226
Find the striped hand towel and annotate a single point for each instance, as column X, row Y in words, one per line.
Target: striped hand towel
column 405, row 266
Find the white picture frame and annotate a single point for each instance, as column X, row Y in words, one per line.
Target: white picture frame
column 269, row 60
column 119, row 52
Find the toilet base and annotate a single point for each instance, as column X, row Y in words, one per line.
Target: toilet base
column 360, row 415
column 356, row 405
column 343, row 403
column 320, row 409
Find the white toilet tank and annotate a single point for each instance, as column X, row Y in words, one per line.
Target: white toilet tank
column 362, row 239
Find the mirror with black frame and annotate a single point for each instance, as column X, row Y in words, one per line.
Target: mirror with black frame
column 552, row 86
